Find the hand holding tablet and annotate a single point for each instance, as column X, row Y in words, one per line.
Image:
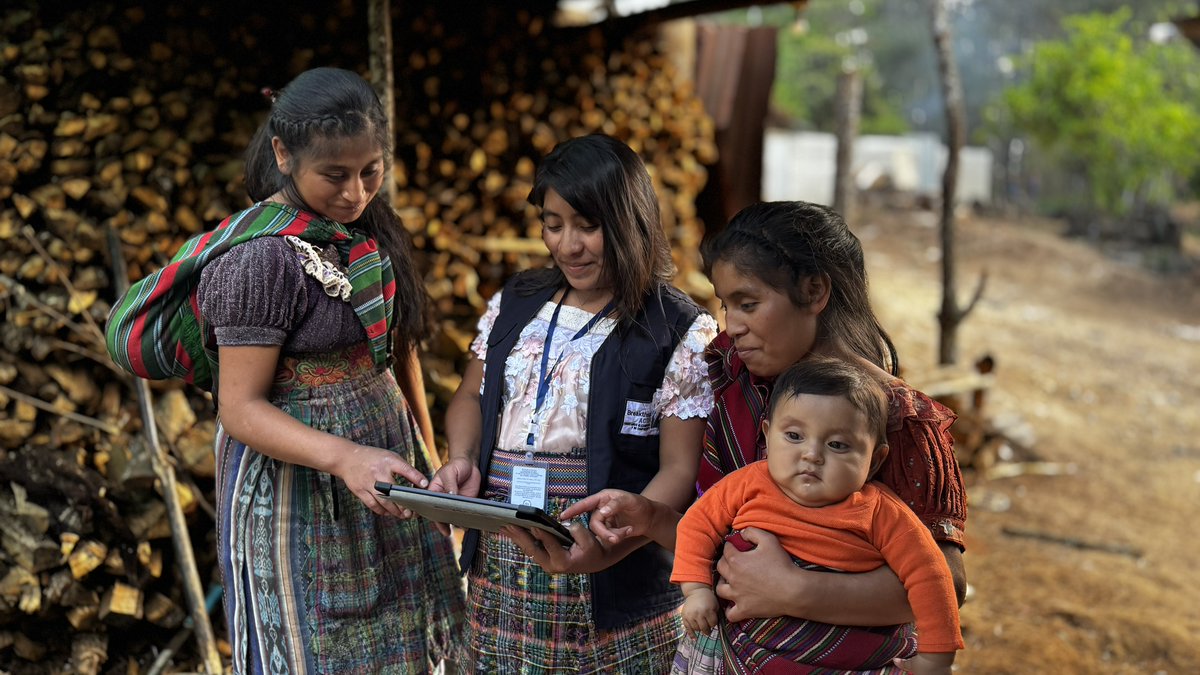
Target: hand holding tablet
column 472, row 512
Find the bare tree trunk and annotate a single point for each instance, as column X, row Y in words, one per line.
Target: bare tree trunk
column 950, row 315
column 379, row 29
column 849, row 111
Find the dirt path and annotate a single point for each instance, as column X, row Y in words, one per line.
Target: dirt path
column 1100, row 360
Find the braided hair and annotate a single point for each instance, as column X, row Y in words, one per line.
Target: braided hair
column 309, row 116
column 785, row 243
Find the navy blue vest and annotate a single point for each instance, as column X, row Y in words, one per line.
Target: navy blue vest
column 629, row 366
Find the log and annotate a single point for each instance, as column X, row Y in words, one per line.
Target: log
column 89, row 651
column 27, row 648
column 20, row 589
column 16, row 508
column 114, row 563
column 28, row 550
column 84, row 617
column 86, row 557
column 1074, row 542
column 163, row 611
column 32, row 403
column 964, row 390
column 121, row 604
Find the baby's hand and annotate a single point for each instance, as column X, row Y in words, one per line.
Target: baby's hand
column 927, row 663
column 699, row 612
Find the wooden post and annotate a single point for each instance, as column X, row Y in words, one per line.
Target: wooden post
column 679, row 44
column 379, row 30
column 849, row 111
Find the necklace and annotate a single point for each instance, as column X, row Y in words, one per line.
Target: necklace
column 596, row 304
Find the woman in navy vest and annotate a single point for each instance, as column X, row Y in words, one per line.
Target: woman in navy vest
column 587, row 375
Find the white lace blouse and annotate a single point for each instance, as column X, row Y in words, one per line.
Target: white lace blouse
column 561, row 423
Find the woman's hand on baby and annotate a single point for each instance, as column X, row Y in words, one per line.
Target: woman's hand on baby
column 364, row 466
column 744, row 575
column 585, row 556
column 616, row 514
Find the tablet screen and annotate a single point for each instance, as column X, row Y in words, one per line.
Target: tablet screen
column 472, row 512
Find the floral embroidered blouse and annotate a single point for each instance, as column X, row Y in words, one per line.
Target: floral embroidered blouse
column 561, row 422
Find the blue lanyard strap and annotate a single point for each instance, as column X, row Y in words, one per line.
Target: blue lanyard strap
column 545, row 372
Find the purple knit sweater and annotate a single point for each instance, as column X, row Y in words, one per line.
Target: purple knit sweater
column 258, row 294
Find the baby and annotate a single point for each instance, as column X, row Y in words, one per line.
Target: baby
column 826, row 435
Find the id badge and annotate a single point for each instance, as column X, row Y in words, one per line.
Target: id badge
column 529, row 484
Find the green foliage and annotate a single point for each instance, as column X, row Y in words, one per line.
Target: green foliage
column 1107, row 110
column 809, row 61
column 806, row 73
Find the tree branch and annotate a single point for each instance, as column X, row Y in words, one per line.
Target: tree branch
column 38, row 403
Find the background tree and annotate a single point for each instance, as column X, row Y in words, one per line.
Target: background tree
column 889, row 38
column 1101, row 107
column 951, row 314
column 814, row 48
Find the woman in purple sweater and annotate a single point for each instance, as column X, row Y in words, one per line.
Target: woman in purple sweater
column 320, row 574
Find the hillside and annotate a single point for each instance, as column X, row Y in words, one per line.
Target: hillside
column 1090, row 570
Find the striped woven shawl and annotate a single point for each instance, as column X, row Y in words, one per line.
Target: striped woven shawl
column 155, row 329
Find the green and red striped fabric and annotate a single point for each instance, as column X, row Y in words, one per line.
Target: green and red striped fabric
column 155, row 329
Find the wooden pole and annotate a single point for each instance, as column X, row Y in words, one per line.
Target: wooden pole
column 679, row 45
column 849, row 111
column 180, row 536
column 379, row 30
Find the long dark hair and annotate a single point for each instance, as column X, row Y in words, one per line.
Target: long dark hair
column 309, row 115
column 784, row 243
column 607, row 183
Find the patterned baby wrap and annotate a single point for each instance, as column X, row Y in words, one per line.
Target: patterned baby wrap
column 790, row 646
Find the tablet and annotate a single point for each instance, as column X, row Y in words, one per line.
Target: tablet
column 472, row 512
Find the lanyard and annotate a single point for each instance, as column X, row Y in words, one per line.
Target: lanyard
column 544, row 374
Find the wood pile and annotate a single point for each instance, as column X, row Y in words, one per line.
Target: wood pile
column 986, row 445
column 131, row 118
column 474, row 123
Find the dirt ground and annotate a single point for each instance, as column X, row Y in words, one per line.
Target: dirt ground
column 1091, row 570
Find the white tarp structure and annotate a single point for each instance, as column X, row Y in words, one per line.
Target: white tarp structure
column 800, row 165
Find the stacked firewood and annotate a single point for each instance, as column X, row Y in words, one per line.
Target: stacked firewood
column 474, row 123
column 130, row 118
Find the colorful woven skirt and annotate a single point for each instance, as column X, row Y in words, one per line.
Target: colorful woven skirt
column 314, row 581
column 524, row 620
column 792, row 646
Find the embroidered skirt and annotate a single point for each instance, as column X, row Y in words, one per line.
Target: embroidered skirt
column 314, row 581
column 524, row 620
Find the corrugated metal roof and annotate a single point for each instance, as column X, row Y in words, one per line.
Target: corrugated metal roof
column 582, row 12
